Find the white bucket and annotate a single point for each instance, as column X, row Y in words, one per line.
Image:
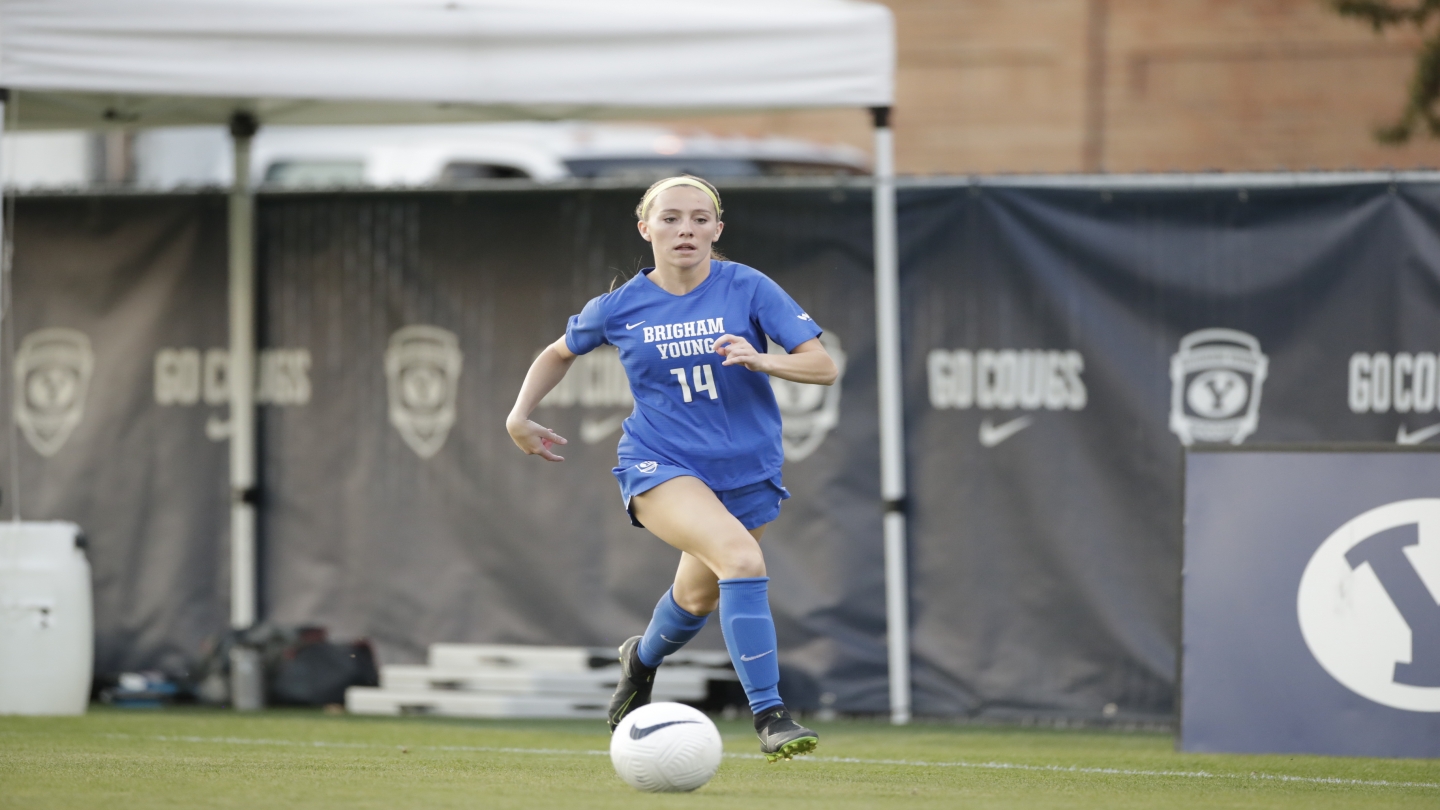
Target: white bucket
column 47, row 636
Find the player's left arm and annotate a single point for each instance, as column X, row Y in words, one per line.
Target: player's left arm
column 806, row 363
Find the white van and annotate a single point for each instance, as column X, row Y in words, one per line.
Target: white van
column 446, row 155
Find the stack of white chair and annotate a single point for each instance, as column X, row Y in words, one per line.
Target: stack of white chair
column 513, row 680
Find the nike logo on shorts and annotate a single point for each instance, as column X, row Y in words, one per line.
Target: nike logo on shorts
column 748, row 658
column 633, row 325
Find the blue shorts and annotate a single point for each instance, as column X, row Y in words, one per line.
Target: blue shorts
column 753, row 505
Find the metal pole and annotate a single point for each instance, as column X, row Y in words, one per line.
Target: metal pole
column 241, row 379
column 7, row 316
column 892, row 432
column 246, row 683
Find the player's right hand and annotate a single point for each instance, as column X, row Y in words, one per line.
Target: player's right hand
column 535, row 439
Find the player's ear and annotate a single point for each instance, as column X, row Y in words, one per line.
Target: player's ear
column 644, row 228
column 719, row 229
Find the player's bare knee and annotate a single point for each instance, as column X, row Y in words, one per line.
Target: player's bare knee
column 744, row 559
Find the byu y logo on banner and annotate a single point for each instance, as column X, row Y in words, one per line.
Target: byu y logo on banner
column 1369, row 605
column 52, row 376
column 422, row 371
column 808, row 412
column 1215, row 381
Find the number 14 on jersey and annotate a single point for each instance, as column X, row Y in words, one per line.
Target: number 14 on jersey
column 704, row 382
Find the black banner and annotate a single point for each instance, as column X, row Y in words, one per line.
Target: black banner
column 1063, row 345
column 396, row 505
column 118, row 300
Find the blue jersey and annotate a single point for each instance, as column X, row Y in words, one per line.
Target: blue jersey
column 720, row 422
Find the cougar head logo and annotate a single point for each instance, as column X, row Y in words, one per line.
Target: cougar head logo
column 52, row 376
column 422, row 372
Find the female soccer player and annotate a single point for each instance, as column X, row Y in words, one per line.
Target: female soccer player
column 700, row 456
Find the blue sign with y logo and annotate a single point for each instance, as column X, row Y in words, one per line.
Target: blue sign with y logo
column 1312, row 602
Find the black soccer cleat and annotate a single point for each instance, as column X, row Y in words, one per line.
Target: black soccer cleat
column 781, row 737
column 636, row 683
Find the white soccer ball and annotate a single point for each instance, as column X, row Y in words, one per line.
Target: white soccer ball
column 665, row 748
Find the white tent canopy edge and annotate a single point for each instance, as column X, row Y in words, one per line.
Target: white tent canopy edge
column 166, row 62
column 144, row 63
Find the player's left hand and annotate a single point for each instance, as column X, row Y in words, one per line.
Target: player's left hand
column 738, row 352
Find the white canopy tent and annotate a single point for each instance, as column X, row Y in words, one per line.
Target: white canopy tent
column 142, row 63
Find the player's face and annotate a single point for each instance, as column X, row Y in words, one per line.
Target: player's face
column 681, row 226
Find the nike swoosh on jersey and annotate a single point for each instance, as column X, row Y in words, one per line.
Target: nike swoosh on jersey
column 1401, row 437
column 633, row 325
column 992, row 434
column 749, row 658
column 638, row 733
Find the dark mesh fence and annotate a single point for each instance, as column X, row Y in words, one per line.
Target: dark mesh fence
column 1059, row 350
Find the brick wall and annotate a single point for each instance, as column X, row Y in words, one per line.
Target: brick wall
column 1013, row 85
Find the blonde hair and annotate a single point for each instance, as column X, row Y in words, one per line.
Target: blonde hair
column 643, row 208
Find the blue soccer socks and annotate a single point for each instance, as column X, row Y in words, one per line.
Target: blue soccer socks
column 750, row 637
column 670, row 627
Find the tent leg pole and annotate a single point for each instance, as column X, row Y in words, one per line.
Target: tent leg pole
column 246, row 683
column 7, row 312
column 892, row 433
column 7, row 330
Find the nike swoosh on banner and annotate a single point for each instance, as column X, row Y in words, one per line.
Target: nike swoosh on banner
column 992, row 434
column 1401, row 437
column 633, row 325
column 748, row 658
column 638, row 733
column 593, row 429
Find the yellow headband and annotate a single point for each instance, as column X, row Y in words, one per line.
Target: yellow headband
column 671, row 183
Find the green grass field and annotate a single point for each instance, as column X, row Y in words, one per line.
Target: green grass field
column 114, row 759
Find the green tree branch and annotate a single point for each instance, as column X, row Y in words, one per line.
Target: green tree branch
column 1424, row 88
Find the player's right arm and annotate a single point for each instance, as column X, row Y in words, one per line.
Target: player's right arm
column 544, row 374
